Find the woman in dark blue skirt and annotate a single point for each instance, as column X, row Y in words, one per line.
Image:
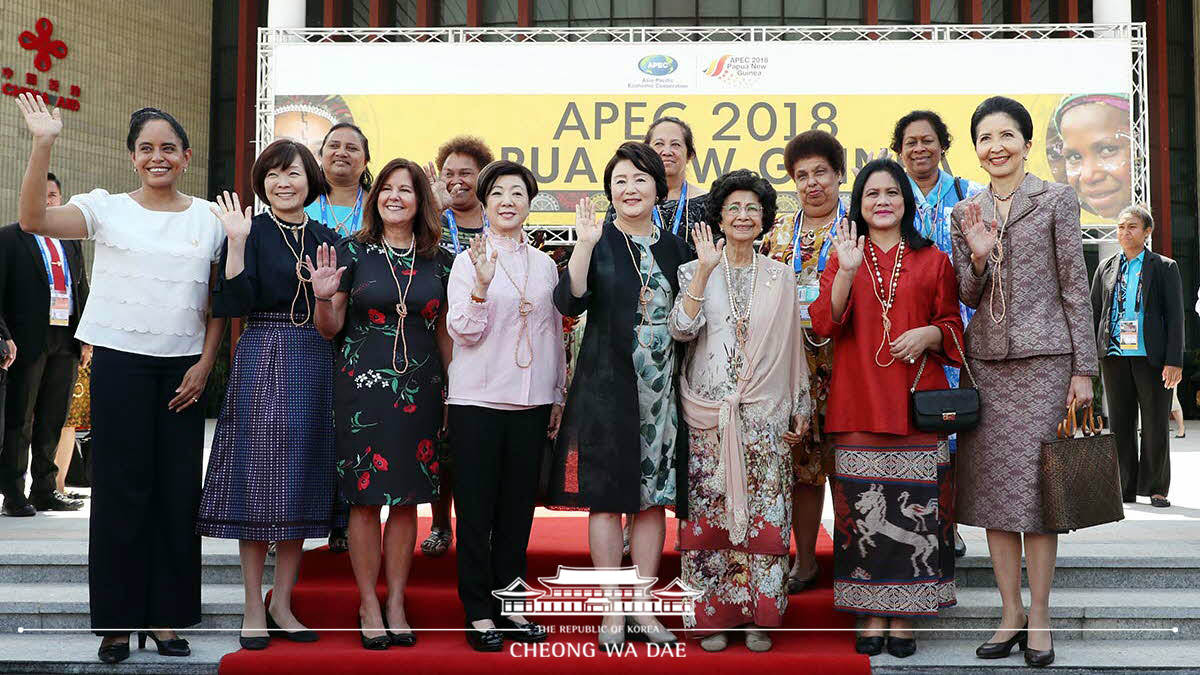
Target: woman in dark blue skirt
column 270, row 474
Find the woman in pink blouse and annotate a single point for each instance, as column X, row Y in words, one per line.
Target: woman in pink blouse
column 506, row 392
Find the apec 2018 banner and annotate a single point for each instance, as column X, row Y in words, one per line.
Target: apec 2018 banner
column 562, row 108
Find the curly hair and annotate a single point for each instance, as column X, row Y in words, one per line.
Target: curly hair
column 935, row 121
column 818, row 143
column 471, row 146
column 741, row 179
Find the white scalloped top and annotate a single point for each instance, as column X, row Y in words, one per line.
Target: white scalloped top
column 149, row 292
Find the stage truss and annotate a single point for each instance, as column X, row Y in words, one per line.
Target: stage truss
column 1093, row 234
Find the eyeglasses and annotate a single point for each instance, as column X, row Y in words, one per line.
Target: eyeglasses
column 751, row 210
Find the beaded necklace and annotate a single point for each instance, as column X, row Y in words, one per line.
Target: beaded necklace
column 524, row 308
column 297, row 233
column 997, row 255
column 741, row 322
column 402, row 306
column 885, row 303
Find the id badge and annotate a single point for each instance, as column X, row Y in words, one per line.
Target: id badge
column 60, row 308
column 807, row 295
column 1129, row 334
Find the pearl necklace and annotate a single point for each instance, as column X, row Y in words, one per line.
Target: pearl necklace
column 885, row 303
column 741, row 322
column 402, row 306
column 298, row 233
column 997, row 259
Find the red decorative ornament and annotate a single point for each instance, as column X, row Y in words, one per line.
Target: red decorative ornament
column 45, row 48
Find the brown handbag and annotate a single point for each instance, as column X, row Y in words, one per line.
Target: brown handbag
column 1081, row 481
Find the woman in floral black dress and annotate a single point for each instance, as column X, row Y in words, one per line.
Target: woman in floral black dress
column 382, row 292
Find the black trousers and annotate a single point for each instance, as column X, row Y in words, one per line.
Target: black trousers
column 497, row 456
column 1132, row 385
column 39, row 397
column 144, row 553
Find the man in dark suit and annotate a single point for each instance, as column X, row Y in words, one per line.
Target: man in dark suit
column 43, row 289
column 1137, row 305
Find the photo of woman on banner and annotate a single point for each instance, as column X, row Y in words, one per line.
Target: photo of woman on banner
column 1096, row 150
column 307, row 119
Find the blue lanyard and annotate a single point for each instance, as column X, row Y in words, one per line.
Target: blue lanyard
column 679, row 210
column 823, row 256
column 1122, row 288
column 454, row 228
column 935, row 214
column 44, row 246
column 350, row 222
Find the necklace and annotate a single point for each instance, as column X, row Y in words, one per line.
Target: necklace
column 997, row 259
column 339, row 226
column 524, row 309
column 645, row 294
column 402, row 306
column 1004, row 198
column 298, row 233
column 741, row 321
column 885, row 301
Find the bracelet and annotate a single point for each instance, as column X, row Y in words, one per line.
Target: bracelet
column 477, row 300
column 689, row 294
column 321, row 299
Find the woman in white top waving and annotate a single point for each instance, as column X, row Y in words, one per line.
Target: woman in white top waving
column 154, row 347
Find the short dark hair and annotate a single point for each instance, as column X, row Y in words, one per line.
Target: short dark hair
column 280, row 155
column 503, row 167
column 908, row 229
column 815, row 142
column 471, row 146
column 741, row 179
column 935, row 121
column 140, row 117
column 427, row 224
column 365, row 179
column 1008, row 106
column 1142, row 213
column 688, row 138
column 54, row 179
column 645, row 159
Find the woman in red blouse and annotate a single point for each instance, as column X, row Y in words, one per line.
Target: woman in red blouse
column 889, row 299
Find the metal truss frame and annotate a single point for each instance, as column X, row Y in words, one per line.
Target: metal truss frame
column 557, row 235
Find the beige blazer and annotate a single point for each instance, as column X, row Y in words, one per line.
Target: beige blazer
column 1046, row 308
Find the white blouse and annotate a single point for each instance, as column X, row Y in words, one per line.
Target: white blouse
column 149, row 283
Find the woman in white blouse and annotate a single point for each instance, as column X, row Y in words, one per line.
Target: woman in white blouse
column 506, row 393
column 154, row 348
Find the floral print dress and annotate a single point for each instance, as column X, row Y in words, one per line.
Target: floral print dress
column 746, row 583
column 387, row 416
column 655, row 368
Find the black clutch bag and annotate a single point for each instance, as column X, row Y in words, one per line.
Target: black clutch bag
column 945, row 411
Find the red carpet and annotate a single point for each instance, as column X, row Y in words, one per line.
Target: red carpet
column 325, row 597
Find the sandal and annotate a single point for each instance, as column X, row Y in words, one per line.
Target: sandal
column 339, row 540
column 438, row 542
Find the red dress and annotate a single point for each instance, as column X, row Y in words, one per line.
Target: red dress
column 893, row 546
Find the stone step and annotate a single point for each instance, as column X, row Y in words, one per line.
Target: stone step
column 76, row 653
column 72, row 568
column 1095, row 571
column 1116, row 657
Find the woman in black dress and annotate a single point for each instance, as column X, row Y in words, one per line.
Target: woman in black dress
column 382, row 292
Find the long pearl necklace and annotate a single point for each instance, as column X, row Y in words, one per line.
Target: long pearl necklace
column 645, row 294
column 997, row 255
column 524, row 308
column 298, row 233
column 402, row 306
column 741, row 321
column 885, row 302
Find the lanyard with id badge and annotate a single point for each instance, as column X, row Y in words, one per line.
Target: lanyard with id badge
column 1127, row 326
column 60, row 299
column 807, row 293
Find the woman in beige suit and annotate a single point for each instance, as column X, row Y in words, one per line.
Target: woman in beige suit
column 1019, row 257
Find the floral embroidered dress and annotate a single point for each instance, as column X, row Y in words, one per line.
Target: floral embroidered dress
column 655, row 368
column 387, row 416
column 740, row 562
column 813, row 458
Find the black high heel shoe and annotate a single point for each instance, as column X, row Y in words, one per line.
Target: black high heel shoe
column 377, row 643
column 1000, row 650
column 524, row 632
column 869, row 645
column 405, row 639
column 901, row 648
column 275, row 630
column 489, row 640
column 257, row 643
column 1036, row 658
column 175, row 646
column 114, row 652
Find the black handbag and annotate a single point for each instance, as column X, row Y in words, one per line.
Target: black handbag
column 946, row 411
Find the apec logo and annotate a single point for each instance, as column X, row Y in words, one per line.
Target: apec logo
column 657, row 65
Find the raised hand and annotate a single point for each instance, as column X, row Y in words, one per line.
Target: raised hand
column 708, row 254
column 43, row 123
column 849, row 246
column 587, row 230
column 484, row 262
column 326, row 276
column 980, row 236
column 235, row 221
column 441, row 194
